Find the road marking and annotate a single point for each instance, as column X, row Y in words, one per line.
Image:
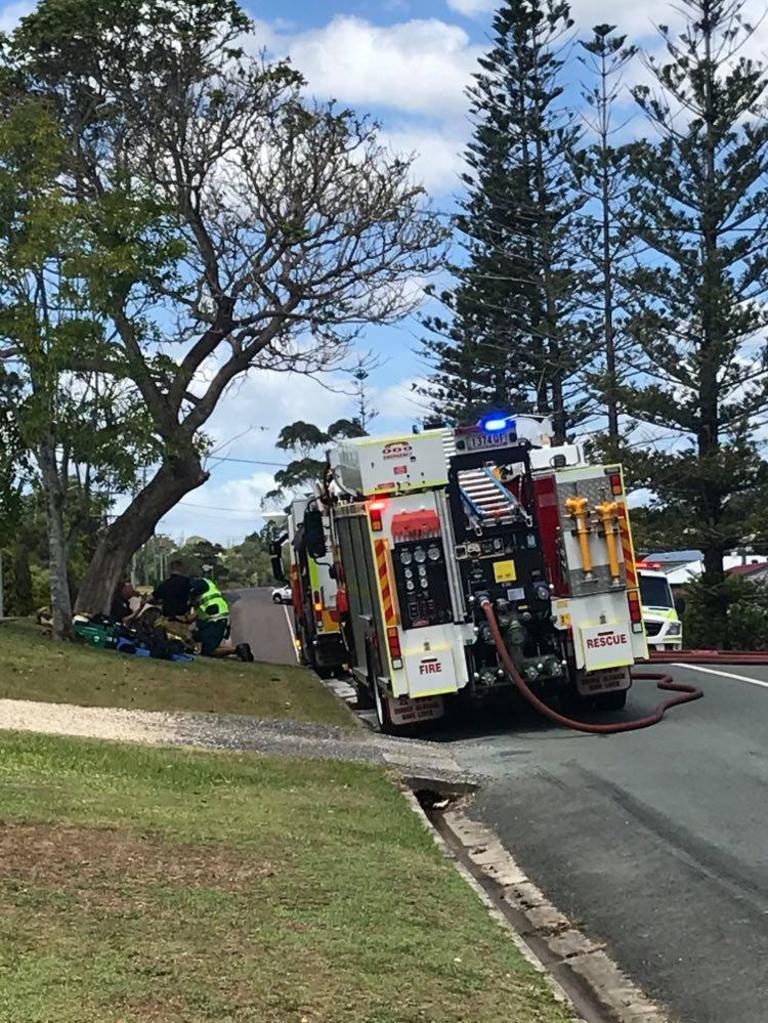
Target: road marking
column 293, row 634
column 725, row 674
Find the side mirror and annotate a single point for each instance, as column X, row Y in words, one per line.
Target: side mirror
column 276, row 556
column 314, row 534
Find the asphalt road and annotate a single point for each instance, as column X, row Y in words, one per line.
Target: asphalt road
column 256, row 620
column 655, row 842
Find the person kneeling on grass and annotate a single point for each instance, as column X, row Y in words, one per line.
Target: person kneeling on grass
column 212, row 626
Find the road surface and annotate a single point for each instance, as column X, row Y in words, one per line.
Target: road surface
column 655, row 842
column 266, row 626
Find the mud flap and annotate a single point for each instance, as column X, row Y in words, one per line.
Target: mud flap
column 405, row 711
column 610, row 680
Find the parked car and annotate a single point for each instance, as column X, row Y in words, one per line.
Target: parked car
column 282, row 595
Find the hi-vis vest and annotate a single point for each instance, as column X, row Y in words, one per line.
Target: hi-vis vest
column 212, row 606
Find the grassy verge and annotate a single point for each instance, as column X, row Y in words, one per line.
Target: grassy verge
column 143, row 885
column 34, row 668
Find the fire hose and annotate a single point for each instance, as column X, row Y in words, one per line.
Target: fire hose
column 664, row 682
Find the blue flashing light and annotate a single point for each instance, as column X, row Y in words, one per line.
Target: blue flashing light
column 495, row 425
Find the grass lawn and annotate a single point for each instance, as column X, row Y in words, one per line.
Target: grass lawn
column 32, row 667
column 142, row 885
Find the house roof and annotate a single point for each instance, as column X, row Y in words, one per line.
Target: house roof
column 683, row 556
column 747, row 569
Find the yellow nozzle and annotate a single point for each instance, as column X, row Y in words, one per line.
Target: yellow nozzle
column 577, row 508
column 608, row 513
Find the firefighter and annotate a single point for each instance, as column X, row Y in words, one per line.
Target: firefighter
column 212, row 624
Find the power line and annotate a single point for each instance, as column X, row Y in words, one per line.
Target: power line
column 250, row 461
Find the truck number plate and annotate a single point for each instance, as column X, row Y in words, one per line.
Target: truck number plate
column 489, row 441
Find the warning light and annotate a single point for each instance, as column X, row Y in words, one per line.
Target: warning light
column 495, row 425
column 375, row 508
column 393, row 642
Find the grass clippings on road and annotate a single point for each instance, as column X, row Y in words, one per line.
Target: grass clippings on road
column 142, row 885
column 32, row 667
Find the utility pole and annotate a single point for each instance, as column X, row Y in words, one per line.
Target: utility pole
column 2, row 596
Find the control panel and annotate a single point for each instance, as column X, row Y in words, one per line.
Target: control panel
column 418, row 559
column 422, row 583
column 498, row 547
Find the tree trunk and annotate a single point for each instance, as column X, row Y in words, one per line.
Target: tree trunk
column 58, row 553
column 173, row 480
column 716, row 600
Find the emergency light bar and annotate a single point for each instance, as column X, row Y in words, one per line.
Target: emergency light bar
column 497, row 425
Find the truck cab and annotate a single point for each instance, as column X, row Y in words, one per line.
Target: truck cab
column 662, row 623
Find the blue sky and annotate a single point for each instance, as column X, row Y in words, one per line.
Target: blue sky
column 407, row 62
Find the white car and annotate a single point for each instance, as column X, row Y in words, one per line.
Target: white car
column 282, row 595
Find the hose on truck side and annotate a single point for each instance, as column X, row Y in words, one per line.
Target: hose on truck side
column 665, row 682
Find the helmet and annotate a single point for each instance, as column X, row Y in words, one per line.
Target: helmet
column 197, row 587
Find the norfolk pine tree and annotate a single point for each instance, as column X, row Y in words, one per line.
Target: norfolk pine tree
column 602, row 174
column 699, row 318
column 514, row 336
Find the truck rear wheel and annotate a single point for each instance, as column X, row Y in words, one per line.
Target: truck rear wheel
column 383, row 718
column 365, row 699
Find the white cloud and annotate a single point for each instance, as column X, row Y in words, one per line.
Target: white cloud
column 636, row 19
column 418, row 66
column 470, row 8
column 263, row 402
column 439, row 160
column 399, row 405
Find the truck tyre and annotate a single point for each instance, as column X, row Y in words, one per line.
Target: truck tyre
column 365, row 699
column 383, row 719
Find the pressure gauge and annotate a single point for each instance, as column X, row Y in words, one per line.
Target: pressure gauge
column 406, row 557
column 420, row 555
column 424, row 582
column 410, row 585
column 408, row 573
column 434, row 553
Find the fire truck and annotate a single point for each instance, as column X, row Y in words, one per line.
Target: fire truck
column 471, row 559
column 317, row 625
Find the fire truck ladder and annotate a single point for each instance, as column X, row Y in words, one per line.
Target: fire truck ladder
column 485, row 498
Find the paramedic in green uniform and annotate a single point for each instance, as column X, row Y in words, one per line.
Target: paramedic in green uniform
column 212, row 625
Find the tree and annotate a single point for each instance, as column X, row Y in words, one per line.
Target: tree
column 365, row 412
column 81, row 430
column 701, row 209
column 513, row 330
column 602, row 174
column 283, row 226
column 12, row 452
column 304, row 440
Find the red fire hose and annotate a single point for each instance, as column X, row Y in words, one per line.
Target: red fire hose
column 709, row 656
column 688, row 693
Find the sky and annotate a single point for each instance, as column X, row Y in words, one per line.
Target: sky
column 407, row 62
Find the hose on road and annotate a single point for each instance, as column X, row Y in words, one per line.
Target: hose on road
column 687, row 693
column 709, row 656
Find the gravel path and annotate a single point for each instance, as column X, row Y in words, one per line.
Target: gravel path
column 412, row 758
